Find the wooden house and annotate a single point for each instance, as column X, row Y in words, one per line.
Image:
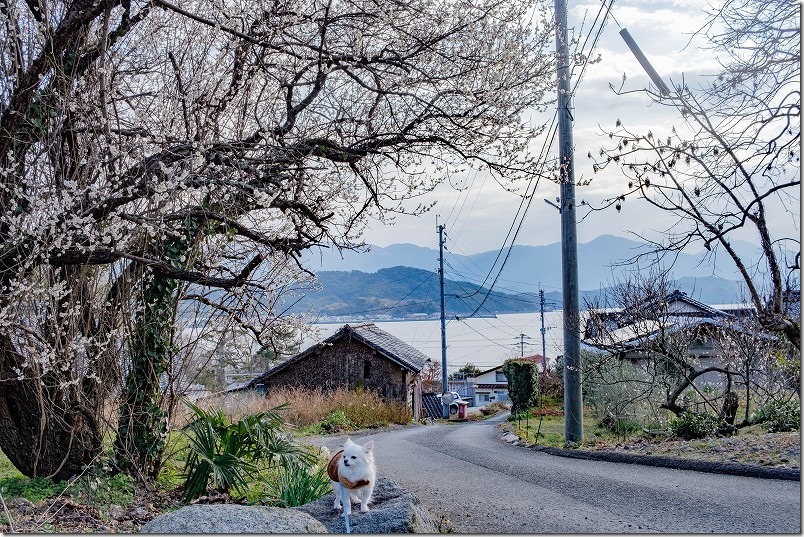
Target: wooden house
column 355, row 356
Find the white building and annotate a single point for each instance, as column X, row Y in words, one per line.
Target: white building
column 490, row 386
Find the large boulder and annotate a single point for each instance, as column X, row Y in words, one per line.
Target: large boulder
column 391, row 510
column 228, row 518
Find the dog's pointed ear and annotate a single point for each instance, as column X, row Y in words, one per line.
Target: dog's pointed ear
column 348, row 442
column 368, row 446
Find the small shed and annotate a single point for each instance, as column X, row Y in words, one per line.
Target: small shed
column 355, row 356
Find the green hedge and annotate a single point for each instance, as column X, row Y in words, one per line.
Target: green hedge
column 523, row 383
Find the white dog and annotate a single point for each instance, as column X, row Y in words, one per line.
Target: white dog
column 353, row 475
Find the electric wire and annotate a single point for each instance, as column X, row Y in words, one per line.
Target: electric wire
column 482, row 335
column 551, row 137
column 512, row 294
column 517, row 222
column 477, row 278
column 396, row 305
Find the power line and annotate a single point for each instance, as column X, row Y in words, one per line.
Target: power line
column 477, row 278
column 482, row 335
column 388, row 308
column 504, row 296
column 529, row 197
column 521, row 344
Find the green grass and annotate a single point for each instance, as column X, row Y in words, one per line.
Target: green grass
column 95, row 487
column 100, row 489
column 33, row 489
column 549, row 430
column 6, row 468
column 171, row 475
column 15, row 485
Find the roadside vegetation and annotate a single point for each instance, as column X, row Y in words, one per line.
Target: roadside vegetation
column 643, row 420
column 249, row 449
column 165, row 168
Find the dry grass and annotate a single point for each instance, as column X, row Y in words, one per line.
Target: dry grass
column 494, row 408
column 305, row 408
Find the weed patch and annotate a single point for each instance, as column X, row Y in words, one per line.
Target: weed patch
column 33, row 489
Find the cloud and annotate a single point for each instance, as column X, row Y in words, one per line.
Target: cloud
column 478, row 221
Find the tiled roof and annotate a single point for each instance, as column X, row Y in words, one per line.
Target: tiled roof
column 623, row 318
column 536, row 358
column 681, row 296
column 381, row 341
column 390, row 346
column 489, row 370
column 503, row 385
column 635, row 336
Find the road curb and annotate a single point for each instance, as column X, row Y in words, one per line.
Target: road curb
column 730, row 468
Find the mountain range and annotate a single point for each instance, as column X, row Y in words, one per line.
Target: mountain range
column 409, row 292
column 401, row 279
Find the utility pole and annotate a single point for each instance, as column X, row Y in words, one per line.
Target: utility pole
column 522, row 338
column 544, row 344
column 444, row 407
column 573, row 397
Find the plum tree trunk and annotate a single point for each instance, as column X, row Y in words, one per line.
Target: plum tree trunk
column 45, row 430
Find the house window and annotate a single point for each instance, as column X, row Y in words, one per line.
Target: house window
column 483, row 397
column 499, row 376
column 366, row 368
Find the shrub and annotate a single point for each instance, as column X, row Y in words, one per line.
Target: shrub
column 616, row 387
column 779, row 416
column 493, row 408
column 551, row 386
column 620, row 426
column 523, row 383
column 305, row 408
column 548, row 410
column 690, row 425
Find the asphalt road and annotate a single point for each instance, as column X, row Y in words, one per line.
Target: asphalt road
column 463, row 472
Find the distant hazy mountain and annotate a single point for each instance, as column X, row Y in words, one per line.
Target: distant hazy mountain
column 378, row 257
column 712, row 290
column 601, row 262
column 401, row 291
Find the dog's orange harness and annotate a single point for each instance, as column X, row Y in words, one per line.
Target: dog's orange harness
column 332, row 471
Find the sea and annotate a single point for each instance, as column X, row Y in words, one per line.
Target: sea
column 484, row 342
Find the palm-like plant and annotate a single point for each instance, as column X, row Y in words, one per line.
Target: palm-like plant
column 223, row 455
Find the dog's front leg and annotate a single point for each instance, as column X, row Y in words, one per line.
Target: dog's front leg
column 336, row 488
column 347, row 503
column 365, row 495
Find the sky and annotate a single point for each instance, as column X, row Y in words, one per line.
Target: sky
column 477, row 219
